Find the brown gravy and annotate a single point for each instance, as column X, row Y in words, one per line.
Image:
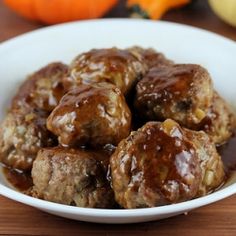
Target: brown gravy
column 18, row 179
column 23, row 181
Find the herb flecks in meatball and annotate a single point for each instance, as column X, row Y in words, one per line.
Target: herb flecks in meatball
column 94, row 114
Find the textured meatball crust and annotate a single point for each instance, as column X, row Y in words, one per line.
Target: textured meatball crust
column 181, row 92
column 94, row 114
column 212, row 167
column 150, row 57
column 72, row 177
column 22, row 134
column 116, row 66
column 155, row 165
column 220, row 121
column 159, row 164
column 43, row 89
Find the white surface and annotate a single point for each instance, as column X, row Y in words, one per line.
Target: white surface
column 25, row 54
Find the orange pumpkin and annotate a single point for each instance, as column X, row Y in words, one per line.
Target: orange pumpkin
column 153, row 9
column 57, row 11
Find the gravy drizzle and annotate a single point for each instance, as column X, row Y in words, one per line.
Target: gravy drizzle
column 23, row 181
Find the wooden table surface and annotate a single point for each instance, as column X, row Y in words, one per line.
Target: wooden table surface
column 216, row 219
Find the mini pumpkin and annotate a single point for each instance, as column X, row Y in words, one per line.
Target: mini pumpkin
column 58, row 11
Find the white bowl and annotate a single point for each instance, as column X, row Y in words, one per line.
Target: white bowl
column 27, row 53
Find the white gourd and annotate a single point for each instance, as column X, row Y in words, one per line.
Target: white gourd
column 225, row 9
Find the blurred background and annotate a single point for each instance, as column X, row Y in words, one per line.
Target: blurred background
column 214, row 15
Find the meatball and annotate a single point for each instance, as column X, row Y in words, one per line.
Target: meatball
column 94, row 114
column 116, row 66
column 72, row 177
column 181, row 92
column 43, row 89
column 160, row 164
column 220, row 121
column 150, row 57
column 212, row 167
column 22, row 134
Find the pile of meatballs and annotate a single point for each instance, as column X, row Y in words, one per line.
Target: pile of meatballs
column 118, row 128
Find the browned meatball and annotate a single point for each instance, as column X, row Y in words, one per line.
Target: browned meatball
column 94, row 114
column 116, row 66
column 72, row 177
column 220, row 121
column 212, row 168
column 43, row 89
column 181, row 92
column 150, row 57
column 162, row 163
column 22, row 134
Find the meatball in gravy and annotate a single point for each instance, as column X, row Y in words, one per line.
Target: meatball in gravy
column 220, row 121
column 159, row 164
column 94, row 114
column 181, row 92
column 43, row 89
column 150, row 57
column 116, row 66
column 22, row 134
column 72, row 177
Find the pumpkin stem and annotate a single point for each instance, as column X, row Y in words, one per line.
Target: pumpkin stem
column 137, row 12
column 153, row 9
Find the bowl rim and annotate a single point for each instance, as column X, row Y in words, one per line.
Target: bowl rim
column 28, row 35
column 51, row 206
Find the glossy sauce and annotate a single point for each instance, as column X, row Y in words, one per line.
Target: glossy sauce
column 43, row 89
column 23, row 181
column 119, row 67
column 166, row 85
column 20, row 180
